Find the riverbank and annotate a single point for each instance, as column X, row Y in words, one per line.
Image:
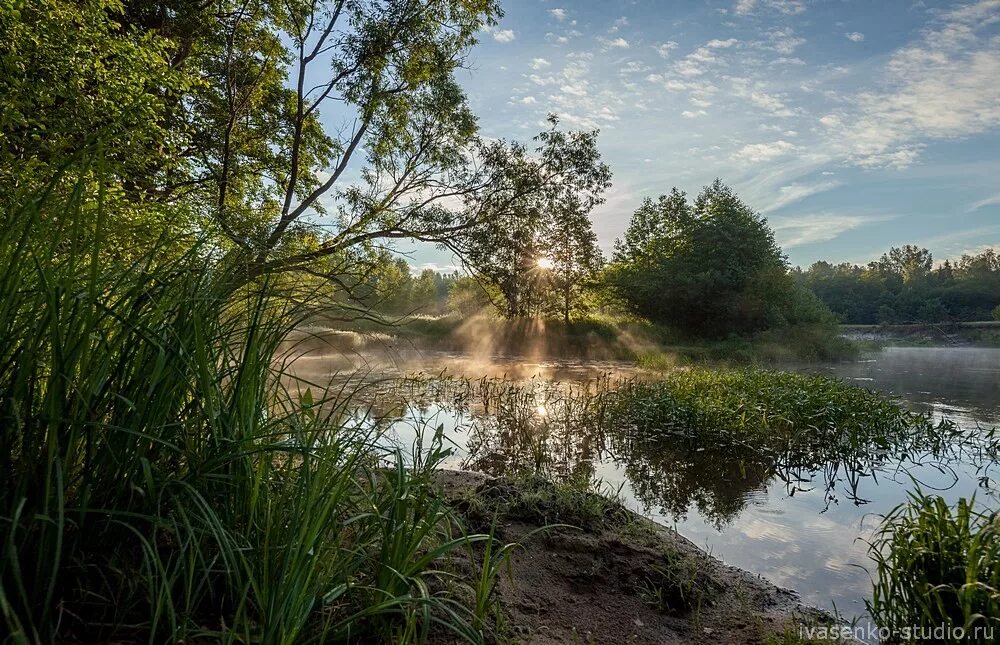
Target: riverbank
column 966, row 334
column 613, row 576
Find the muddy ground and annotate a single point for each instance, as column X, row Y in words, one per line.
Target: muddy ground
column 620, row 578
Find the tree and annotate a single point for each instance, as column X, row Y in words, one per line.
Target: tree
column 903, row 286
column 573, row 252
column 76, row 73
column 214, row 106
column 468, row 297
column 565, row 178
column 911, row 263
column 711, row 267
column 654, row 225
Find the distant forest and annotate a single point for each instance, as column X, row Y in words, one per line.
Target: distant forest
column 905, row 286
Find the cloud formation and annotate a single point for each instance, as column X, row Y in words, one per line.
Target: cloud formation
column 503, row 36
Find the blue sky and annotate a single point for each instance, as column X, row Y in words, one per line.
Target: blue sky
column 851, row 126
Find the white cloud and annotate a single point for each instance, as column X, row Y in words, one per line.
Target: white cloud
column 764, row 151
column 818, row 227
column 634, row 67
column 543, row 80
column 830, row 120
column 558, row 13
column 688, row 114
column 618, row 24
column 992, row 200
column 935, row 88
column 538, row 63
column 787, row 7
column 783, row 40
column 617, row 43
column 528, row 100
column 575, row 89
column 770, row 103
column 796, row 192
column 855, row 36
column 721, row 44
column 435, row 267
column 664, row 49
column 503, row 36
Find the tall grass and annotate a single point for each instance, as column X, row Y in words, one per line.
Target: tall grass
column 938, row 568
column 158, row 482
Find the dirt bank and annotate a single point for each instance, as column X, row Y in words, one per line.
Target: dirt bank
column 619, row 578
column 970, row 334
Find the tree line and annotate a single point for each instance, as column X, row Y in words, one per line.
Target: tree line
column 905, row 286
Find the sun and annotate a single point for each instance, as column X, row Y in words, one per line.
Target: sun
column 545, row 263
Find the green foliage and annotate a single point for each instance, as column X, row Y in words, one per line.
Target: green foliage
column 904, row 287
column 693, row 437
column 710, row 268
column 535, row 499
column 214, row 109
column 539, row 212
column 572, row 250
column 73, row 69
column 679, row 585
column 937, row 567
column 159, row 479
column 996, row 313
column 468, row 297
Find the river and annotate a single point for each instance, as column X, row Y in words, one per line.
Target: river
column 805, row 531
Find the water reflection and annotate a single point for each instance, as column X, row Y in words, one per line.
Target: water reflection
column 799, row 522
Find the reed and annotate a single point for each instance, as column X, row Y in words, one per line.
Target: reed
column 938, row 572
column 163, row 479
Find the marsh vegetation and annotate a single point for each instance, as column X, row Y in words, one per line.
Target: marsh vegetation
column 185, row 245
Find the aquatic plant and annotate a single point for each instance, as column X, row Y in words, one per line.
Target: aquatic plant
column 938, row 572
column 744, row 426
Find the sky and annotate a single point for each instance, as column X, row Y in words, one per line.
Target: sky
column 852, row 126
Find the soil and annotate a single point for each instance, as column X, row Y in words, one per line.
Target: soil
column 599, row 584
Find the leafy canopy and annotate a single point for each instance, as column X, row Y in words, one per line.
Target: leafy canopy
column 711, row 267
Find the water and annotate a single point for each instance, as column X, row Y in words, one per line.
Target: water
column 801, row 530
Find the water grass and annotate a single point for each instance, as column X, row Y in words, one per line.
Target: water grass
column 696, row 436
column 937, row 572
column 163, row 479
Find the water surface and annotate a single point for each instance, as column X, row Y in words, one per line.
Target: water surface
column 802, row 529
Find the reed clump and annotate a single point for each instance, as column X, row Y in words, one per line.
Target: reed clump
column 162, row 478
column 937, row 572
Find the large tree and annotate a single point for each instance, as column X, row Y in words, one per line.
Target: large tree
column 572, row 251
column 290, row 131
column 526, row 219
column 301, row 136
column 711, row 267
